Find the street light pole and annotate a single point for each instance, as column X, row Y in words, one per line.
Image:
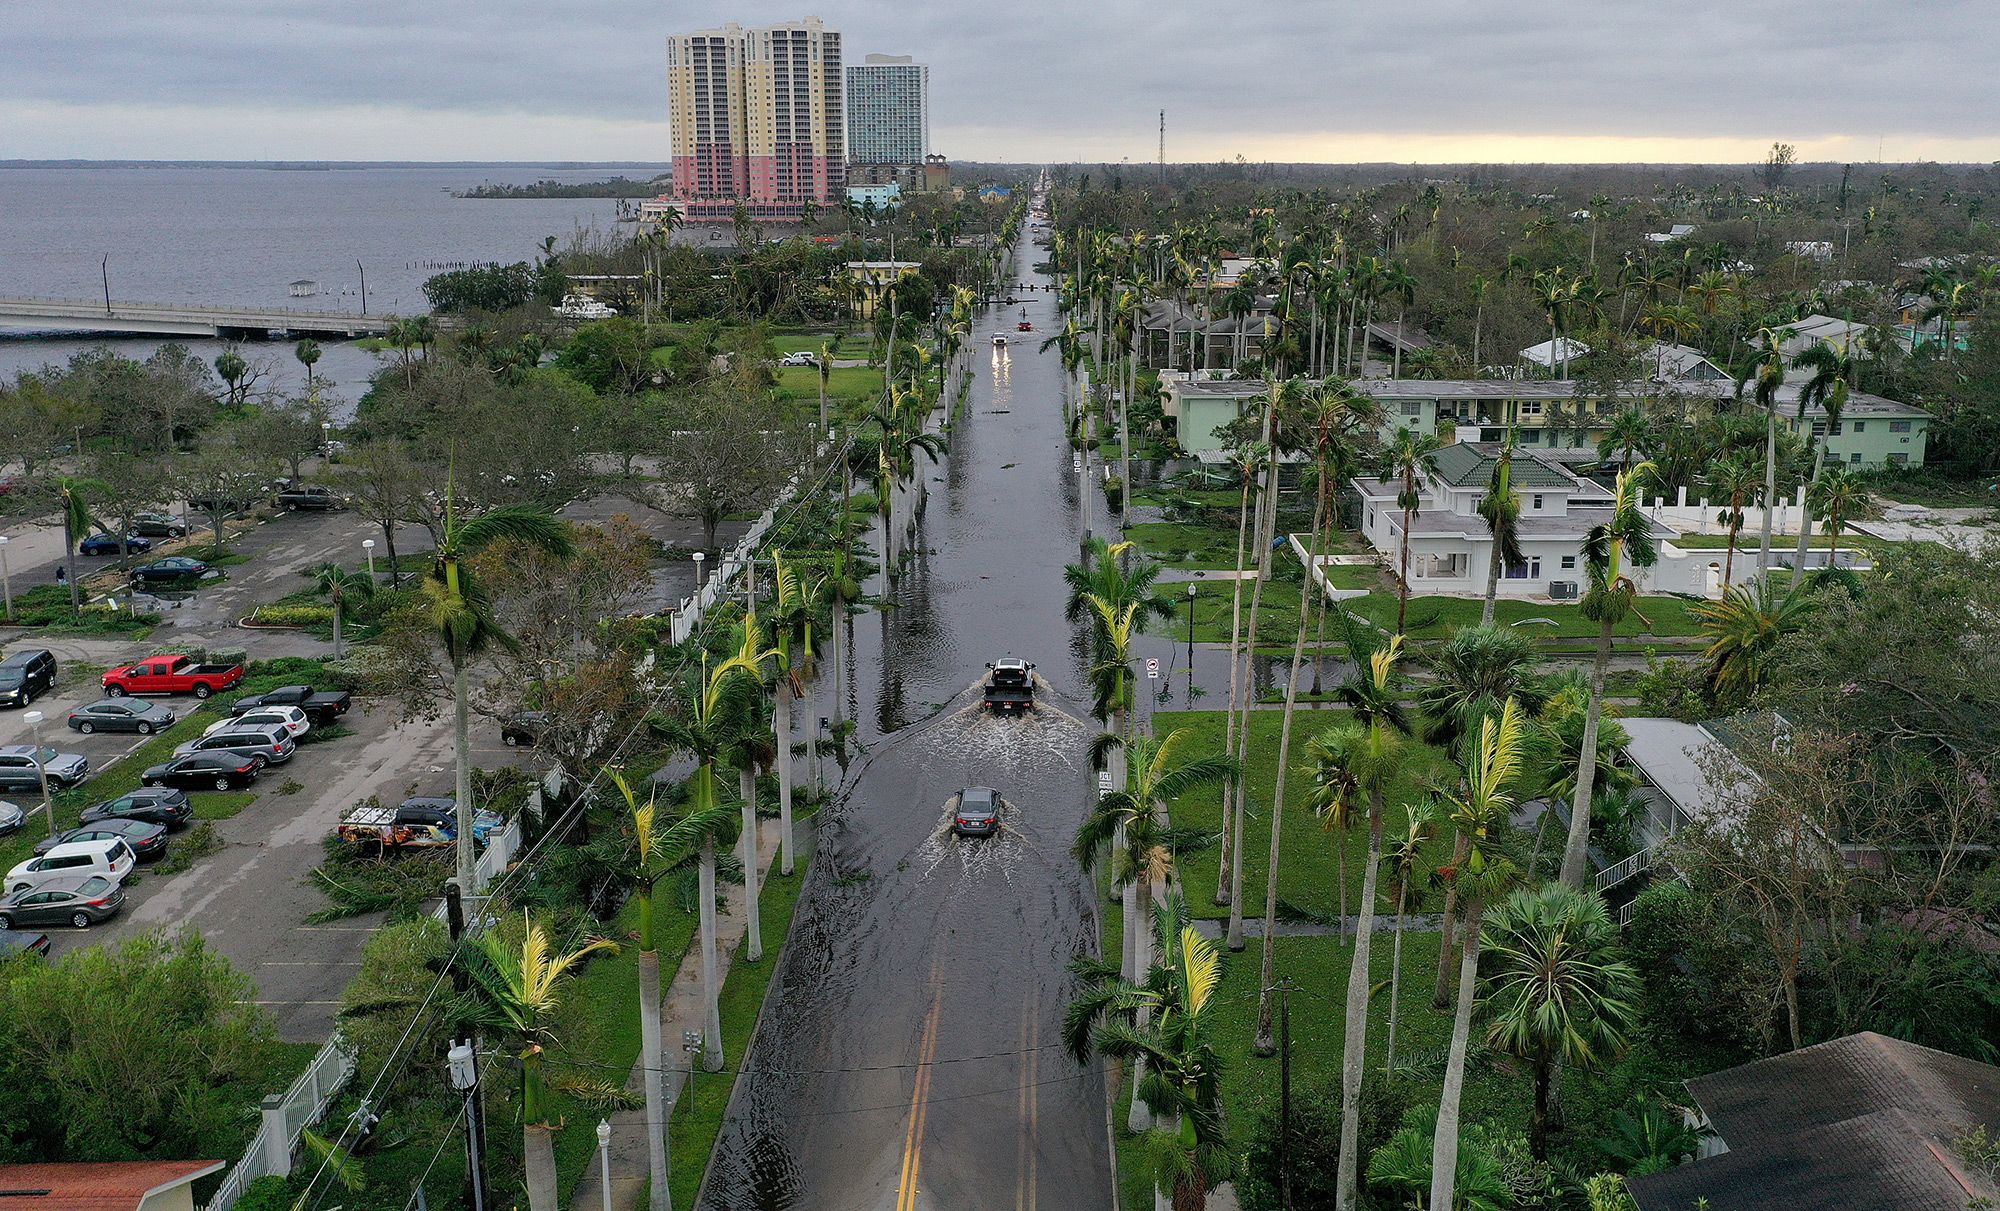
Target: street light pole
column 604, row 1159
column 364, row 286
column 1190, row 595
column 368, row 545
column 34, row 721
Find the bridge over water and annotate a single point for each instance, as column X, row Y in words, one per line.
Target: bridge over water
column 180, row 319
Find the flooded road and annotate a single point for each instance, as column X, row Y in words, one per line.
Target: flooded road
column 910, row 1054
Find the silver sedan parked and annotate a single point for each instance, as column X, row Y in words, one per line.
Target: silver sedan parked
column 122, row 715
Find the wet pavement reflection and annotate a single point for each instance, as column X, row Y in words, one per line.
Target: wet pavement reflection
column 910, row 1052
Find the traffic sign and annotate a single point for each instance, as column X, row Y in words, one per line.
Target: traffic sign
column 1152, row 668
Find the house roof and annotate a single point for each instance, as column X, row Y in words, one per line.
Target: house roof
column 1511, row 388
column 97, row 1186
column 1548, row 353
column 1471, row 464
column 1677, row 758
column 1868, row 1116
column 1860, row 405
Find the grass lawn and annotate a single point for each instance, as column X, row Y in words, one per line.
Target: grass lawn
column 1277, row 616
column 699, row 1117
column 843, row 346
column 221, row 805
column 1186, row 545
column 1438, row 617
column 1747, row 542
column 845, row 382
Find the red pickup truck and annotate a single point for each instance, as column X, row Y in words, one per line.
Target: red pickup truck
column 175, row 673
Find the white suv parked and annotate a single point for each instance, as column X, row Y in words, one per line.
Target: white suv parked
column 109, row 857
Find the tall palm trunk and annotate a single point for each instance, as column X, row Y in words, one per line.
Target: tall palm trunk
column 1441, row 995
column 1492, row 582
column 781, row 715
column 339, row 644
column 1444, row 1146
column 711, row 1031
column 1805, row 515
column 1354, row 1045
column 1140, row 1117
column 538, row 1156
column 1229, row 787
column 1396, row 973
column 1125, row 418
column 1403, row 577
column 1265, row 1043
column 1268, row 507
column 1770, row 487
column 746, row 789
column 1576, row 850
column 651, row 1057
column 461, row 731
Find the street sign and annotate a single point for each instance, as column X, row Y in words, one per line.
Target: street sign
column 1152, row 668
column 1103, row 782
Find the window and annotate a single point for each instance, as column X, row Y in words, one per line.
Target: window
column 1412, row 408
column 1899, row 459
column 1531, row 570
column 1819, row 428
column 1861, row 426
column 1899, row 426
column 1531, row 407
column 1569, row 563
column 1538, row 501
column 1854, row 457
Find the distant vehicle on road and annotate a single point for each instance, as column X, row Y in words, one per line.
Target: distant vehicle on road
column 148, row 841
column 314, row 497
column 159, row 525
column 171, row 673
column 121, row 715
column 26, row 674
column 111, row 858
column 169, row 570
column 205, row 771
column 975, row 812
column 21, row 766
column 289, row 718
column 1010, row 686
column 999, row 339
column 156, row 805
column 79, row 901
column 799, row 359
column 105, row 544
column 321, row 708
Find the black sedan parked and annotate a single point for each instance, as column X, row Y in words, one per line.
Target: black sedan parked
column 78, row 900
column 148, row 841
column 155, row 805
column 524, row 729
column 159, row 525
column 122, row 715
column 222, row 771
column 105, row 544
column 170, row 569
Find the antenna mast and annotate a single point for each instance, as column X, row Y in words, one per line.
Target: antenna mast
column 1163, row 145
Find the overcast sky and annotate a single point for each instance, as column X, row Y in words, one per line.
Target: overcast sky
column 1024, row 80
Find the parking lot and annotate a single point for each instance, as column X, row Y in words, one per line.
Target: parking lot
column 252, row 898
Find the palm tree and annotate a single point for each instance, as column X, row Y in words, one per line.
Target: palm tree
column 462, row 615
column 705, row 728
column 1399, row 285
column 1838, row 497
column 1738, row 481
column 1613, row 547
column 337, row 582
column 1472, row 674
column 307, row 351
column 1743, row 632
column 1371, row 754
column 516, row 986
column 1410, row 457
column 1481, row 286
column 750, row 750
column 1501, row 508
column 1770, row 376
column 1627, row 435
column 1556, row 990
column 1479, row 806
column 656, row 853
column 1828, row 388
column 77, row 522
column 1164, row 1024
column 1406, row 855
column 798, row 605
column 1244, row 461
column 1130, row 820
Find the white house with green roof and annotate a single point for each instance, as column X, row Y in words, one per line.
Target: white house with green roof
column 1451, row 548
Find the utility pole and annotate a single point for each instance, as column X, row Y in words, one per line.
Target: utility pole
column 464, row 1058
column 1163, row 147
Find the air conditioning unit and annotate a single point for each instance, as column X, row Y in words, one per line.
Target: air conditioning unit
column 1562, row 590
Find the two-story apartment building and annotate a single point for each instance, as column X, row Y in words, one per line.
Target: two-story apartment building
column 1873, row 431
column 1450, row 546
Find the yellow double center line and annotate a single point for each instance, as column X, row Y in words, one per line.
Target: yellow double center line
column 913, row 1140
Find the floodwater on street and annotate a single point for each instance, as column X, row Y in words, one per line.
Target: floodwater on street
column 910, row 1053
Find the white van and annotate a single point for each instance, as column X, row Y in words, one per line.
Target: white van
column 109, row 857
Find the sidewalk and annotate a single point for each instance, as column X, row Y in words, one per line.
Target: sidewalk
column 680, row 1009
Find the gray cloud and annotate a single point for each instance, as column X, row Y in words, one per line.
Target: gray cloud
column 1010, row 78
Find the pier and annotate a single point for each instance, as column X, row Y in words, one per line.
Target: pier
column 180, row 319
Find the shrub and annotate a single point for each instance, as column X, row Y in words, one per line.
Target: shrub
column 292, row 615
column 1114, row 494
column 1315, row 1142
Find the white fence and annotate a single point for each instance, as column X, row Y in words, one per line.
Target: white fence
column 688, row 614
column 286, row 1116
column 1318, row 567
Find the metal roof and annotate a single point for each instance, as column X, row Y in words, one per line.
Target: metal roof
column 1471, row 464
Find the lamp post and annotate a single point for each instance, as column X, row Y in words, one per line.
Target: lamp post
column 465, row 1078
column 368, row 545
column 1191, row 596
column 6, row 582
column 364, row 286
column 34, row 721
column 604, row 1159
